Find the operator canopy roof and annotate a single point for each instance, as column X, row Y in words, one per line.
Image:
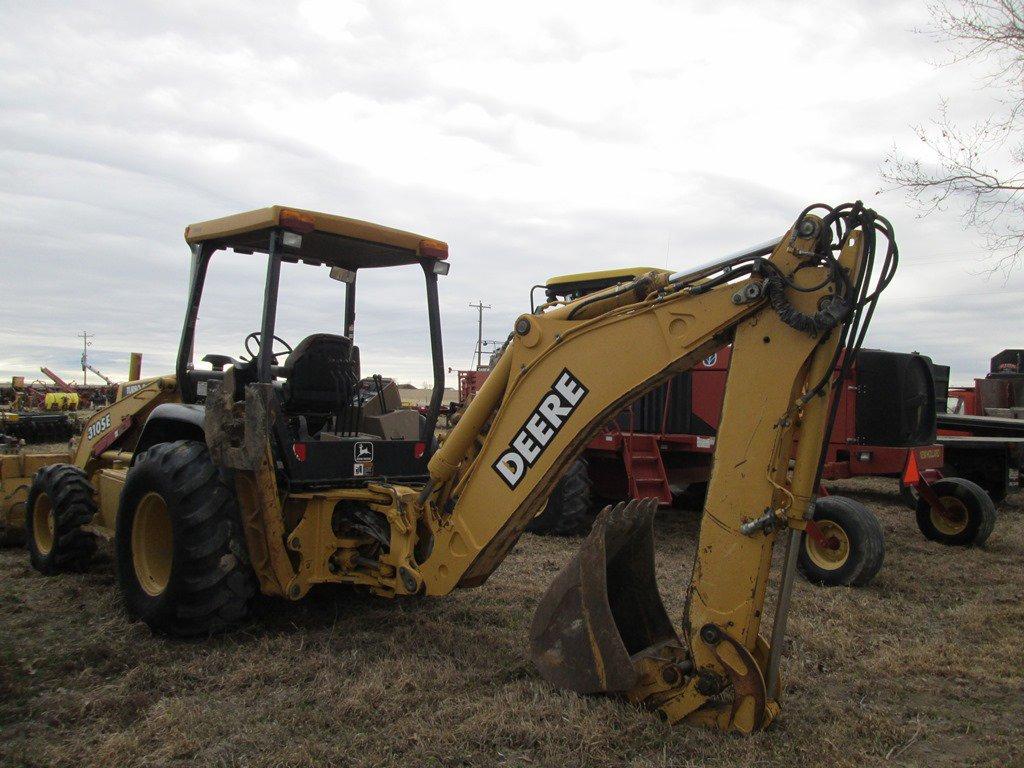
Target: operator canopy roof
column 325, row 239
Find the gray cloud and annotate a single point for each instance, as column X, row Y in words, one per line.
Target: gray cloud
column 536, row 140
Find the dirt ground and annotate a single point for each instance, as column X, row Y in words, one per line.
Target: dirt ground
column 925, row 667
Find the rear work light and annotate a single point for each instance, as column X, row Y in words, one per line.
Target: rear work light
column 297, row 221
column 433, row 249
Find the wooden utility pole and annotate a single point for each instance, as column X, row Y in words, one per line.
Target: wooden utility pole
column 84, row 336
column 480, row 307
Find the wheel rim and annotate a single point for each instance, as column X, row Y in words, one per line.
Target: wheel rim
column 953, row 520
column 43, row 524
column 834, row 552
column 152, row 544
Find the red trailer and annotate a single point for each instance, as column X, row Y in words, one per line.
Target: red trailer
column 663, row 445
column 470, row 383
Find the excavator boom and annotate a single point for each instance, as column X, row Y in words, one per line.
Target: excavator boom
column 786, row 307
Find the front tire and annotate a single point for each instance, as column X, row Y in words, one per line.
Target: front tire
column 570, row 507
column 59, row 503
column 854, row 548
column 969, row 513
column 181, row 560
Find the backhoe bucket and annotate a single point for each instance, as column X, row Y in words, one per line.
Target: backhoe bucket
column 604, row 607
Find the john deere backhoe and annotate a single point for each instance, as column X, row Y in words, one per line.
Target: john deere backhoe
column 279, row 475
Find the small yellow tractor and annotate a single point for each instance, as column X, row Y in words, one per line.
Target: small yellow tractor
column 285, row 470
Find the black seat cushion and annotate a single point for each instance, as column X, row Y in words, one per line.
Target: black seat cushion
column 321, row 375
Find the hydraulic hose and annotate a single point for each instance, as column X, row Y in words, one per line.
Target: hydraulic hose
column 821, row 322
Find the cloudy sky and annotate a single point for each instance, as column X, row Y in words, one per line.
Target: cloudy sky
column 537, row 138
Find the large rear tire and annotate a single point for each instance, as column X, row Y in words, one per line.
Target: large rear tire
column 969, row 518
column 854, row 549
column 570, row 507
column 181, row 559
column 59, row 503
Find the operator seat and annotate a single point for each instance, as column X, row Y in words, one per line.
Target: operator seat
column 321, row 375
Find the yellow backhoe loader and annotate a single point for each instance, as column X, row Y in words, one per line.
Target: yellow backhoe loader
column 278, row 475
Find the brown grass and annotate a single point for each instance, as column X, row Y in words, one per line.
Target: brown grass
column 925, row 667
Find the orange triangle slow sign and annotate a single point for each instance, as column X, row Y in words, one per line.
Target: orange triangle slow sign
column 911, row 475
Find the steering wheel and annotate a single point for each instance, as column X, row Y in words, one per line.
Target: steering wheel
column 257, row 338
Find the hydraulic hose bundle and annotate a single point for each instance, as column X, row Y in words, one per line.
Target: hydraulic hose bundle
column 856, row 299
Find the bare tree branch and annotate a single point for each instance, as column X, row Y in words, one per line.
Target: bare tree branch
column 960, row 168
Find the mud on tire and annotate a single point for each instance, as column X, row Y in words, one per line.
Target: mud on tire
column 857, row 544
column 59, row 503
column 570, row 507
column 181, row 560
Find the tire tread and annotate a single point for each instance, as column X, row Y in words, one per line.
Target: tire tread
column 210, row 587
column 71, row 496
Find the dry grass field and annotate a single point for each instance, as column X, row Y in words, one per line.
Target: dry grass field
column 925, row 667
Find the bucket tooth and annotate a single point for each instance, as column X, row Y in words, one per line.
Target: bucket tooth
column 603, row 608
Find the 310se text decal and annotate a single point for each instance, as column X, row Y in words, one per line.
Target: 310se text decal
column 98, row 428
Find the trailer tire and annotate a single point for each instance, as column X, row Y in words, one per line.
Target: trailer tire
column 59, row 503
column 860, row 544
column 570, row 507
column 972, row 513
column 181, row 561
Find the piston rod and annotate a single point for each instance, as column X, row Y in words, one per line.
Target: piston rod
column 762, row 249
